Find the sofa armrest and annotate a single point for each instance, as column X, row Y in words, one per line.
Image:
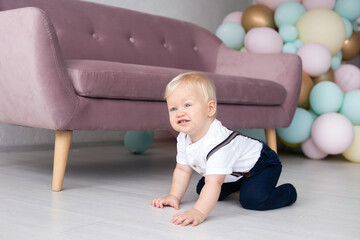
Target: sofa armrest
column 285, row 69
column 35, row 89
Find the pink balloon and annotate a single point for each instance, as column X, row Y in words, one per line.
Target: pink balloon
column 273, row 4
column 233, row 17
column 311, row 150
column 263, row 40
column 316, row 58
column 312, row 4
column 332, row 133
column 347, row 76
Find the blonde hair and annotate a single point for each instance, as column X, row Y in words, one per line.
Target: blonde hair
column 194, row 79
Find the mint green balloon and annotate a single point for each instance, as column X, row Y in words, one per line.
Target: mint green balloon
column 288, row 33
column 335, row 62
column 289, row 48
column 288, row 13
column 138, row 142
column 326, row 97
column 351, row 106
column 338, row 55
column 231, row 34
column 313, row 114
column 355, row 26
column 348, row 27
column 298, row 43
column 349, row 9
column 299, row 129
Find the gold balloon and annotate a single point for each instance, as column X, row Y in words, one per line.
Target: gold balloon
column 292, row 145
column 306, row 86
column 351, row 47
column 328, row 76
column 257, row 16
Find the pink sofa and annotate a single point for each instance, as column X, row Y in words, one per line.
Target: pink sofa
column 70, row 65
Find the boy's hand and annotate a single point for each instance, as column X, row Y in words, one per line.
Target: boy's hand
column 166, row 201
column 190, row 216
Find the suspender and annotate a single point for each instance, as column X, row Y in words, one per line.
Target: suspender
column 231, row 137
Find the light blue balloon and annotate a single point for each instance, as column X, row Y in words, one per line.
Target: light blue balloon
column 299, row 129
column 336, row 60
column 313, row 114
column 326, row 97
column 289, row 48
column 138, row 142
column 351, row 106
column 231, row 34
column 338, row 55
column 349, row 9
column 355, row 26
column 288, row 13
column 298, row 43
column 288, row 33
column 348, row 27
column 335, row 63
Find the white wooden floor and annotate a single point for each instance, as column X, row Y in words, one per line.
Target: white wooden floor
column 107, row 192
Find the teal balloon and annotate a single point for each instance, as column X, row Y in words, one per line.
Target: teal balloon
column 313, row 114
column 298, row 43
column 299, row 129
column 348, row 27
column 336, row 60
column 355, row 26
column 288, row 32
column 231, row 34
column 138, row 142
column 335, row 63
column 338, row 55
column 326, row 97
column 289, row 48
column 351, row 106
column 288, row 13
column 349, row 9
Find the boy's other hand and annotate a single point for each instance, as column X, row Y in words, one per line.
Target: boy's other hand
column 166, row 201
column 192, row 216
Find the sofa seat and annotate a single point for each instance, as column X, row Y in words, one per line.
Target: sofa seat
column 113, row 80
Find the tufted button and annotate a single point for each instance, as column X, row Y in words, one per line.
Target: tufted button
column 131, row 39
column 195, row 48
column 95, row 36
column 165, row 45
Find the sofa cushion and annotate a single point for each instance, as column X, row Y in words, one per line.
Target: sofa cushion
column 112, row 80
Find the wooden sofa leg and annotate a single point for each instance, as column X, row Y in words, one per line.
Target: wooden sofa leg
column 271, row 138
column 61, row 153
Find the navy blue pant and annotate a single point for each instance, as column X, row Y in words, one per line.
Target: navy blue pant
column 258, row 191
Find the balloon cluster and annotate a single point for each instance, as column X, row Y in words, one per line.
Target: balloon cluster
column 324, row 34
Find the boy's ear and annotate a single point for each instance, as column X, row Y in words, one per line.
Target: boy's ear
column 212, row 108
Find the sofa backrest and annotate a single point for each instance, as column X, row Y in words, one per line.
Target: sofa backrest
column 93, row 31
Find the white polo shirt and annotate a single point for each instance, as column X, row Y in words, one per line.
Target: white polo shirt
column 240, row 155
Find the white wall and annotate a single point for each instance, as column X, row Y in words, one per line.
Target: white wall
column 206, row 13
